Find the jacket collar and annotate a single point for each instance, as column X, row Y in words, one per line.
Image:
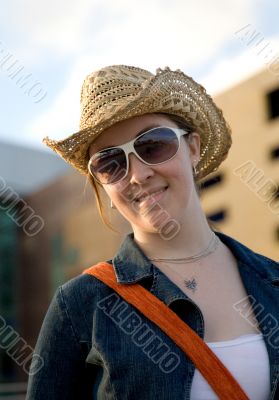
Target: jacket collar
column 265, row 267
column 131, row 265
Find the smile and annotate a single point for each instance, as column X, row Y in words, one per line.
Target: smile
column 151, row 197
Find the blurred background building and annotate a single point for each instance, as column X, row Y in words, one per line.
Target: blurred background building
column 238, row 198
column 243, row 196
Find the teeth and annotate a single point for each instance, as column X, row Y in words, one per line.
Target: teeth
column 150, row 195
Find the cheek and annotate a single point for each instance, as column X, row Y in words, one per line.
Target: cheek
column 118, row 193
column 177, row 171
column 111, row 193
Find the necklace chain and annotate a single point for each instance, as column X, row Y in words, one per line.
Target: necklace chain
column 212, row 246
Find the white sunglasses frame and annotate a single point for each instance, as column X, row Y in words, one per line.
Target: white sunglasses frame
column 128, row 148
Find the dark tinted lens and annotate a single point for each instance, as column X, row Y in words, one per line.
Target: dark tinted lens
column 109, row 166
column 157, row 145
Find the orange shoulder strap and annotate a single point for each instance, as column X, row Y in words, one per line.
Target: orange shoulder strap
column 209, row 365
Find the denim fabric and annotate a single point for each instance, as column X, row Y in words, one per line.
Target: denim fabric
column 97, row 346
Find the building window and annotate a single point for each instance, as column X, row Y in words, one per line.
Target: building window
column 273, row 104
column 218, row 216
column 212, row 182
column 274, row 153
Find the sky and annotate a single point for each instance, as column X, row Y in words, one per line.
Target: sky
column 48, row 47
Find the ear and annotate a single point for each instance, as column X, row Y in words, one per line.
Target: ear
column 194, row 143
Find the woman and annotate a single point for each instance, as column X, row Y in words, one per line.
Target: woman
column 147, row 140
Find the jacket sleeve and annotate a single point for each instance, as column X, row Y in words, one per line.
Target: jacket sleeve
column 62, row 373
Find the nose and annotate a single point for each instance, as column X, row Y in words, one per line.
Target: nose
column 139, row 172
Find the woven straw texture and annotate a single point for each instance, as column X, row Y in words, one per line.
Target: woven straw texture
column 120, row 92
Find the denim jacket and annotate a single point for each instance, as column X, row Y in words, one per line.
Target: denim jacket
column 96, row 346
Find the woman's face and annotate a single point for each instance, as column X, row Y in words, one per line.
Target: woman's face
column 172, row 182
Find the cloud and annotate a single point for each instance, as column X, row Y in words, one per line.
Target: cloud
column 45, row 25
column 177, row 32
column 230, row 71
column 62, row 116
column 150, row 34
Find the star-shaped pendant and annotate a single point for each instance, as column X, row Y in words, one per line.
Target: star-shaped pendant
column 191, row 284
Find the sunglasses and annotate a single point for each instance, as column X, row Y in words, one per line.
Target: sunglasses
column 153, row 147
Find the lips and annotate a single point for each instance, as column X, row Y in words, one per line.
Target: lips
column 150, row 194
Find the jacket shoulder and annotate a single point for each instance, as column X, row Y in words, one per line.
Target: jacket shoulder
column 83, row 288
column 252, row 258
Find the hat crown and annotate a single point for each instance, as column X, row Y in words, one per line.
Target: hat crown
column 104, row 89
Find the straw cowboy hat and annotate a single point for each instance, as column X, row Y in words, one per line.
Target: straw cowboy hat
column 119, row 92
